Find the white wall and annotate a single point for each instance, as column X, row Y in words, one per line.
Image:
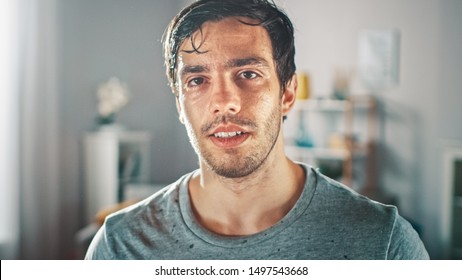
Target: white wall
column 104, row 38
column 418, row 113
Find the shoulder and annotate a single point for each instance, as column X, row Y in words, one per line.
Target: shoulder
column 405, row 243
column 370, row 221
column 151, row 210
column 335, row 195
column 125, row 229
column 152, row 205
column 345, row 210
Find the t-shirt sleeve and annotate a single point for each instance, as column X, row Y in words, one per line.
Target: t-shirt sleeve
column 405, row 243
column 99, row 247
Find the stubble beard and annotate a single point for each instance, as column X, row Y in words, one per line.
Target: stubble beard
column 235, row 164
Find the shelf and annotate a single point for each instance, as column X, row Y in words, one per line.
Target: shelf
column 361, row 149
column 113, row 158
column 343, row 131
column 335, row 105
column 327, row 153
column 322, row 105
column 317, row 153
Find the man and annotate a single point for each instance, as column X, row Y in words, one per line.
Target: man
column 231, row 67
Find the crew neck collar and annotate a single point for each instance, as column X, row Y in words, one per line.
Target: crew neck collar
column 298, row 209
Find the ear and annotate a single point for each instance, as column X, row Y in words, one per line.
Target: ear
column 289, row 96
column 178, row 108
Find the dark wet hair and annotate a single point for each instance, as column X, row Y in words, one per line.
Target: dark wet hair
column 262, row 13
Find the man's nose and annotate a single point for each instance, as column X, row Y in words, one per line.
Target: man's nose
column 225, row 98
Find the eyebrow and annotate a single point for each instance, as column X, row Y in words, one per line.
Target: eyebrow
column 239, row 62
column 233, row 63
column 188, row 69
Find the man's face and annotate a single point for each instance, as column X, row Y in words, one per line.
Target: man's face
column 229, row 96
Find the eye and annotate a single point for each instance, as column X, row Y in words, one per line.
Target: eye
column 248, row 75
column 196, row 82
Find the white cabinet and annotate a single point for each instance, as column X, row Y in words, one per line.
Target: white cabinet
column 338, row 136
column 113, row 159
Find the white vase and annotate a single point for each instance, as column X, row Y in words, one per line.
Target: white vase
column 112, row 127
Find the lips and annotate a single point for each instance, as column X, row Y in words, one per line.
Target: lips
column 228, row 136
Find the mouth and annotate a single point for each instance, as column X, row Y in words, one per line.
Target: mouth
column 228, row 134
column 229, row 137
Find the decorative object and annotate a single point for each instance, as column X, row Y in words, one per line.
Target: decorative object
column 303, row 89
column 341, row 87
column 379, row 52
column 303, row 136
column 112, row 96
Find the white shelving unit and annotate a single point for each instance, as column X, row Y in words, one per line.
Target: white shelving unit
column 113, row 159
column 452, row 190
column 342, row 132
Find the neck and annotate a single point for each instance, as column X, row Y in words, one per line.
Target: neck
column 243, row 206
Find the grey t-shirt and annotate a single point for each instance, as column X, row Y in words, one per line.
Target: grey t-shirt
column 329, row 221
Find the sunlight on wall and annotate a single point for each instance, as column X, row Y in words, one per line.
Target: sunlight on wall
column 9, row 182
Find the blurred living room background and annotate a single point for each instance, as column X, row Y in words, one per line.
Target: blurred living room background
column 379, row 108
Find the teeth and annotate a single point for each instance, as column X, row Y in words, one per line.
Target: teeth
column 227, row 134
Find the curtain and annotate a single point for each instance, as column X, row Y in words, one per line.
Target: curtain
column 37, row 174
column 9, row 115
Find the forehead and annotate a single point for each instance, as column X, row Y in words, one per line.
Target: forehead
column 226, row 39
